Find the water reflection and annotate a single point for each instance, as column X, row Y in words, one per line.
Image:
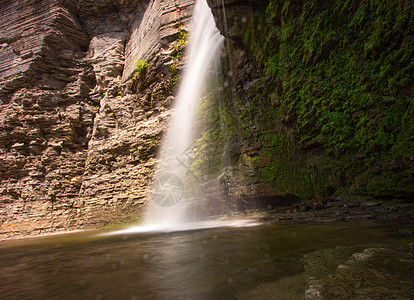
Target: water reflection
column 185, row 226
column 214, row 263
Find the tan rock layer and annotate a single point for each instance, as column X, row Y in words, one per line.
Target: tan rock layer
column 77, row 145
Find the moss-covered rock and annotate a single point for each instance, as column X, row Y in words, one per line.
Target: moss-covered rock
column 329, row 108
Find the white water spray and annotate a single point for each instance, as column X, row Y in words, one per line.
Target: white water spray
column 168, row 205
column 168, row 208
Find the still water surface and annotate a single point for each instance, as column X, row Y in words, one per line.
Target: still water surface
column 212, row 263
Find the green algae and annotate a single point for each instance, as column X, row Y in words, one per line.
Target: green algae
column 338, row 76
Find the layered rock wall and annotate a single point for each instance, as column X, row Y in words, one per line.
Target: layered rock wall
column 316, row 102
column 159, row 29
column 38, row 38
column 77, row 142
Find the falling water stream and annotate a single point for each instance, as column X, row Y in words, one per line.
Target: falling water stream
column 168, row 208
column 166, row 258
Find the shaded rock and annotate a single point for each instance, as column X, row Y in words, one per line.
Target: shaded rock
column 374, row 273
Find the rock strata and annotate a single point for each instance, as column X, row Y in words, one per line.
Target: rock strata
column 79, row 130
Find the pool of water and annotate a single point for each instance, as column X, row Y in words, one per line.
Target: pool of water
column 207, row 263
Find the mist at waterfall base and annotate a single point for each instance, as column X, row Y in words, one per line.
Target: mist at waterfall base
column 171, row 208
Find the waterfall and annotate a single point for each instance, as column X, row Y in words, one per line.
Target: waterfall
column 169, row 208
column 169, row 203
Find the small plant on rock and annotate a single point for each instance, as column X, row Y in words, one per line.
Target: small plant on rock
column 140, row 67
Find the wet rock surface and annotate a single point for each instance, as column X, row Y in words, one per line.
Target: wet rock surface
column 279, row 151
column 362, row 264
column 375, row 273
column 344, row 273
column 79, row 137
column 339, row 209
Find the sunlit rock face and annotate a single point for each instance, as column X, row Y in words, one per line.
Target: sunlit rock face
column 78, row 136
column 153, row 32
column 38, row 38
column 45, row 125
column 133, row 112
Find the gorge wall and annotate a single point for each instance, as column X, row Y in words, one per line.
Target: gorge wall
column 318, row 99
column 315, row 102
column 80, row 121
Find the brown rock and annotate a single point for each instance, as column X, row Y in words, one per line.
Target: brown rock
column 76, row 149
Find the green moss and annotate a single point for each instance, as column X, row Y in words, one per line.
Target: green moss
column 253, row 159
column 140, row 68
column 207, row 160
column 177, row 56
column 182, row 38
column 340, row 74
column 124, row 222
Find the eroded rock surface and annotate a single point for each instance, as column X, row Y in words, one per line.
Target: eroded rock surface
column 375, row 273
column 79, row 130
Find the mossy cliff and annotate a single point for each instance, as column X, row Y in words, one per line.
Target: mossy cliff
column 320, row 97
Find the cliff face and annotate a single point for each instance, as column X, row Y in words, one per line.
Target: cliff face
column 79, row 129
column 38, row 38
column 319, row 98
column 315, row 102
